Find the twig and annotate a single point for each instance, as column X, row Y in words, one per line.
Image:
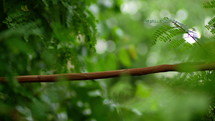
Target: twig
column 116, row 73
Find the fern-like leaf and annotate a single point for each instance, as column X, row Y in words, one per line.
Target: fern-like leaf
column 211, row 25
column 172, row 32
column 167, row 33
column 210, row 4
column 163, row 29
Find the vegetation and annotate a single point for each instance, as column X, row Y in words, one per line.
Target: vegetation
column 47, row 37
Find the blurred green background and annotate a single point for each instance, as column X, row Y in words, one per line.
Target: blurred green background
column 65, row 36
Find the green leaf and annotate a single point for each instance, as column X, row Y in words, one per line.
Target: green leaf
column 124, row 57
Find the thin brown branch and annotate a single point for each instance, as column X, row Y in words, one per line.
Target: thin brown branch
column 116, row 73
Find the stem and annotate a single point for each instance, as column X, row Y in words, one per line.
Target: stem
column 187, row 31
column 115, row 73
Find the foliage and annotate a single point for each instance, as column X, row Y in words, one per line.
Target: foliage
column 41, row 37
column 59, row 36
column 56, row 31
column 209, row 4
column 173, row 31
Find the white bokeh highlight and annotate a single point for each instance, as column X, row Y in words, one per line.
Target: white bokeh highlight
column 101, row 46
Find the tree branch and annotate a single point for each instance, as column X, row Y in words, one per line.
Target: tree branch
column 185, row 67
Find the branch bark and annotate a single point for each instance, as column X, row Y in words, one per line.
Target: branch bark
column 185, row 67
